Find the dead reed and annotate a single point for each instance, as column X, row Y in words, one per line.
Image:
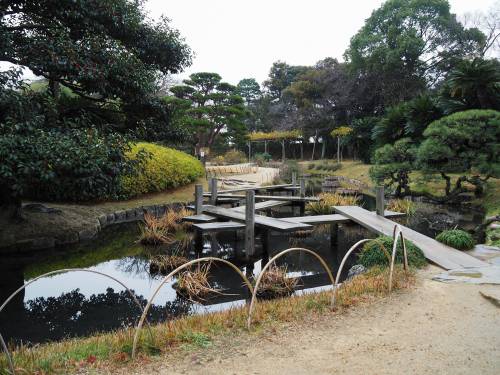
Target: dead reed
column 327, row 200
column 194, row 284
column 276, row 284
column 401, row 205
column 164, row 264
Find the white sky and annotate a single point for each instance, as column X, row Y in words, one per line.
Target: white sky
column 241, row 39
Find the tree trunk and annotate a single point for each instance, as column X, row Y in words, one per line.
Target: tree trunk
column 323, row 148
column 338, row 150
column 283, row 151
column 55, row 89
column 302, row 150
column 314, row 144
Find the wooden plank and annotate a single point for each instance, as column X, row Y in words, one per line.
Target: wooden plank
column 254, row 188
column 318, row 219
column 262, row 205
column 219, row 226
column 198, row 198
column 438, row 253
column 272, row 197
column 202, row 218
column 262, row 221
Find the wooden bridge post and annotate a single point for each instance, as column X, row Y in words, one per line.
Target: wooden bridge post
column 294, row 178
column 379, row 200
column 250, row 223
column 213, row 191
column 302, row 195
column 198, row 199
column 334, row 235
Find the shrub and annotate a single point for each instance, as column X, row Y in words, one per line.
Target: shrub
column 456, row 238
column 163, row 168
column 235, row 157
column 372, row 253
column 260, row 159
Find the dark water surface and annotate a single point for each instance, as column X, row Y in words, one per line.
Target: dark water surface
column 79, row 303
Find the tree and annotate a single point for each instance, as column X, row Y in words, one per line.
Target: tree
column 393, row 164
column 102, row 61
column 408, row 44
column 249, row 90
column 281, row 76
column 340, row 133
column 465, row 143
column 214, row 106
column 472, row 84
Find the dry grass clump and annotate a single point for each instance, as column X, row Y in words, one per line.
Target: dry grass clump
column 276, row 284
column 194, row 283
column 166, row 229
column 401, row 205
column 327, row 200
column 112, row 350
column 165, row 264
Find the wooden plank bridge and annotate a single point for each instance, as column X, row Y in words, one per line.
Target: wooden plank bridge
column 438, row 253
column 244, row 217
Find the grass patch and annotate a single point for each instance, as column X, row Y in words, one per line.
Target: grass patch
column 113, row 349
column 327, row 200
column 373, row 254
column 401, row 205
column 457, row 239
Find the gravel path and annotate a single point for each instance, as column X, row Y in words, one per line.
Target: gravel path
column 436, row 328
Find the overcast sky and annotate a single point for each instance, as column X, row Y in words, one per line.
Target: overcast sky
column 241, row 39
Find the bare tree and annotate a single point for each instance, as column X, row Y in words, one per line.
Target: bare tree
column 489, row 24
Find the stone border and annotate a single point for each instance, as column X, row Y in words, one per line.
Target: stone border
column 73, row 237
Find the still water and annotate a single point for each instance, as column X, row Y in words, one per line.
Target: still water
column 80, row 303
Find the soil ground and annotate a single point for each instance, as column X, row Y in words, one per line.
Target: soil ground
column 435, row 328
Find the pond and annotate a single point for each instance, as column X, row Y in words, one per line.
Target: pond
column 77, row 304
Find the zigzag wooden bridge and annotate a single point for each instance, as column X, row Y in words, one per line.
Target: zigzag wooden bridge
column 212, row 218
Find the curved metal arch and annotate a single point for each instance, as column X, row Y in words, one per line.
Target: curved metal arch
column 397, row 234
column 64, row 270
column 271, row 261
column 166, row 278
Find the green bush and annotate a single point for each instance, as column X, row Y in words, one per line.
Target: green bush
column 372, row 254
column 456, row 238
column 163, row 168
column 261, row 159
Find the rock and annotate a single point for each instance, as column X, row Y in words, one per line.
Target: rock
column 120, row 216
column 494, row 226
column 88, row 233
column 355, row 270
column 130, row 214
column 103, row 220
column 110, row 218
column 37, row 207
column 139, row 213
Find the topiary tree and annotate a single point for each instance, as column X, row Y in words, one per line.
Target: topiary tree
column 373, row 254
column 456, row 238
column 340, row 133
column 393, row 164
column 466, row 143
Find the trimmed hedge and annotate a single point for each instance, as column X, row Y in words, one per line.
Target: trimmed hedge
column 163, row 168
column 372, row 254
column 456, row 238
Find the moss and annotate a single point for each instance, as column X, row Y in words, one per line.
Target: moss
column 372, row 253
column 165, row 168
column 456, row 238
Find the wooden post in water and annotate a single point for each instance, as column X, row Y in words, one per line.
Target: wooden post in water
column 294, row 178
column 379, row 199
column 213, row 191
column 302, row 195
column 198, row 199
column 250, row 223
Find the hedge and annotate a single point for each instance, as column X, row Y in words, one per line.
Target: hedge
column 163, row 168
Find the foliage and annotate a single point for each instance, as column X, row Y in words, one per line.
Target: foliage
column 277, row 135
column 405, row 45
column 467, row 143
column 327, row 200
column 281, row 76
column 249, row 90
column 163, row 169
column 230, row 157
column 456, row 238
column 213, row 106
column 262, row 158
column 341, row 131
column 48, row 157
column 472, row 84
column 373, row 254
column 393, row 164
column 401, row 205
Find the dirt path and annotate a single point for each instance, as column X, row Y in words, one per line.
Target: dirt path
column 436, row 328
